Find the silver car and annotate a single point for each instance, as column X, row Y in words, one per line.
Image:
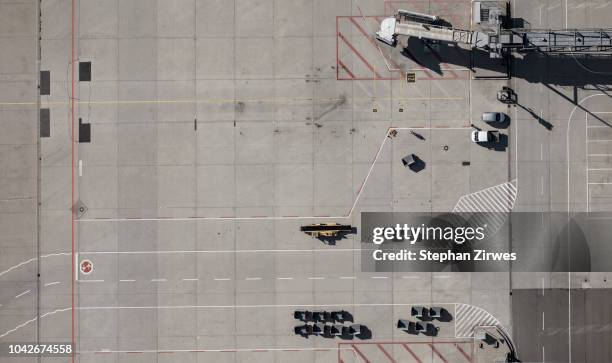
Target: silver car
column 494, row 117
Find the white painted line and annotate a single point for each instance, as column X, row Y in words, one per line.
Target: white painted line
column 76, row 266
column 543, row 355
column 158, row 280
column 223, row 279
column 228, row 350
column 221, row 251
column 379, row 277
column 91, row 280
column 600, row 154
column 51, row 283
column 127, row 280
column 316, row 278
column 347, row 277
column 598, row 140
column 23, row 293
column 542, row 281
column 284, row 278
column 253, row 278
column 442, row 277
column 600, row 169
column 190, row 279
column 410, row 277
column 80, row 167
column 593, row 183
column 543, row 321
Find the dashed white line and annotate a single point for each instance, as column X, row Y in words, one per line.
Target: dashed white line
column 158, row 280
column 347, row 277
column 284, row 278
column 23, row 293
column 253, row 278
column 316, row 278
column 91, row 280
column 223, row 279
column 127, row 280
column 51, row 283
column 190, row 279
column 379, row 277
column 410, row 277
column 442, row 277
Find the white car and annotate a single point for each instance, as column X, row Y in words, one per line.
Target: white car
column 479, row 136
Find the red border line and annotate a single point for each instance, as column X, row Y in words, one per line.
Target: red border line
column 386, row 353
column 359, row 55
column 367, row 36
column 72, row 222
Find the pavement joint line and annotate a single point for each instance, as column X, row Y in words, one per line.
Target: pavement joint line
column 276, row 100
column 23, row 293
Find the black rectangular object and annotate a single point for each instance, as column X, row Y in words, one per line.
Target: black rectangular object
column 45, row 122
column 321, row 228
column 85, row 71
column 45, row 83
column 84, row 132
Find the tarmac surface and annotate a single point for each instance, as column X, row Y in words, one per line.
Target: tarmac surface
column 218, row 128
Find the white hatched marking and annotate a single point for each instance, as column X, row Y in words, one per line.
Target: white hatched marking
column 468, row 317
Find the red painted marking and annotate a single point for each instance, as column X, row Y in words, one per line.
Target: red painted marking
column 346, row 69
column 467, row 356
column 337, row 52
column 438, row 353
column 72, row 196
column 411, row 353
column 358, row 54
column 373, row 42
column 386, row 353
column 360, row 354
